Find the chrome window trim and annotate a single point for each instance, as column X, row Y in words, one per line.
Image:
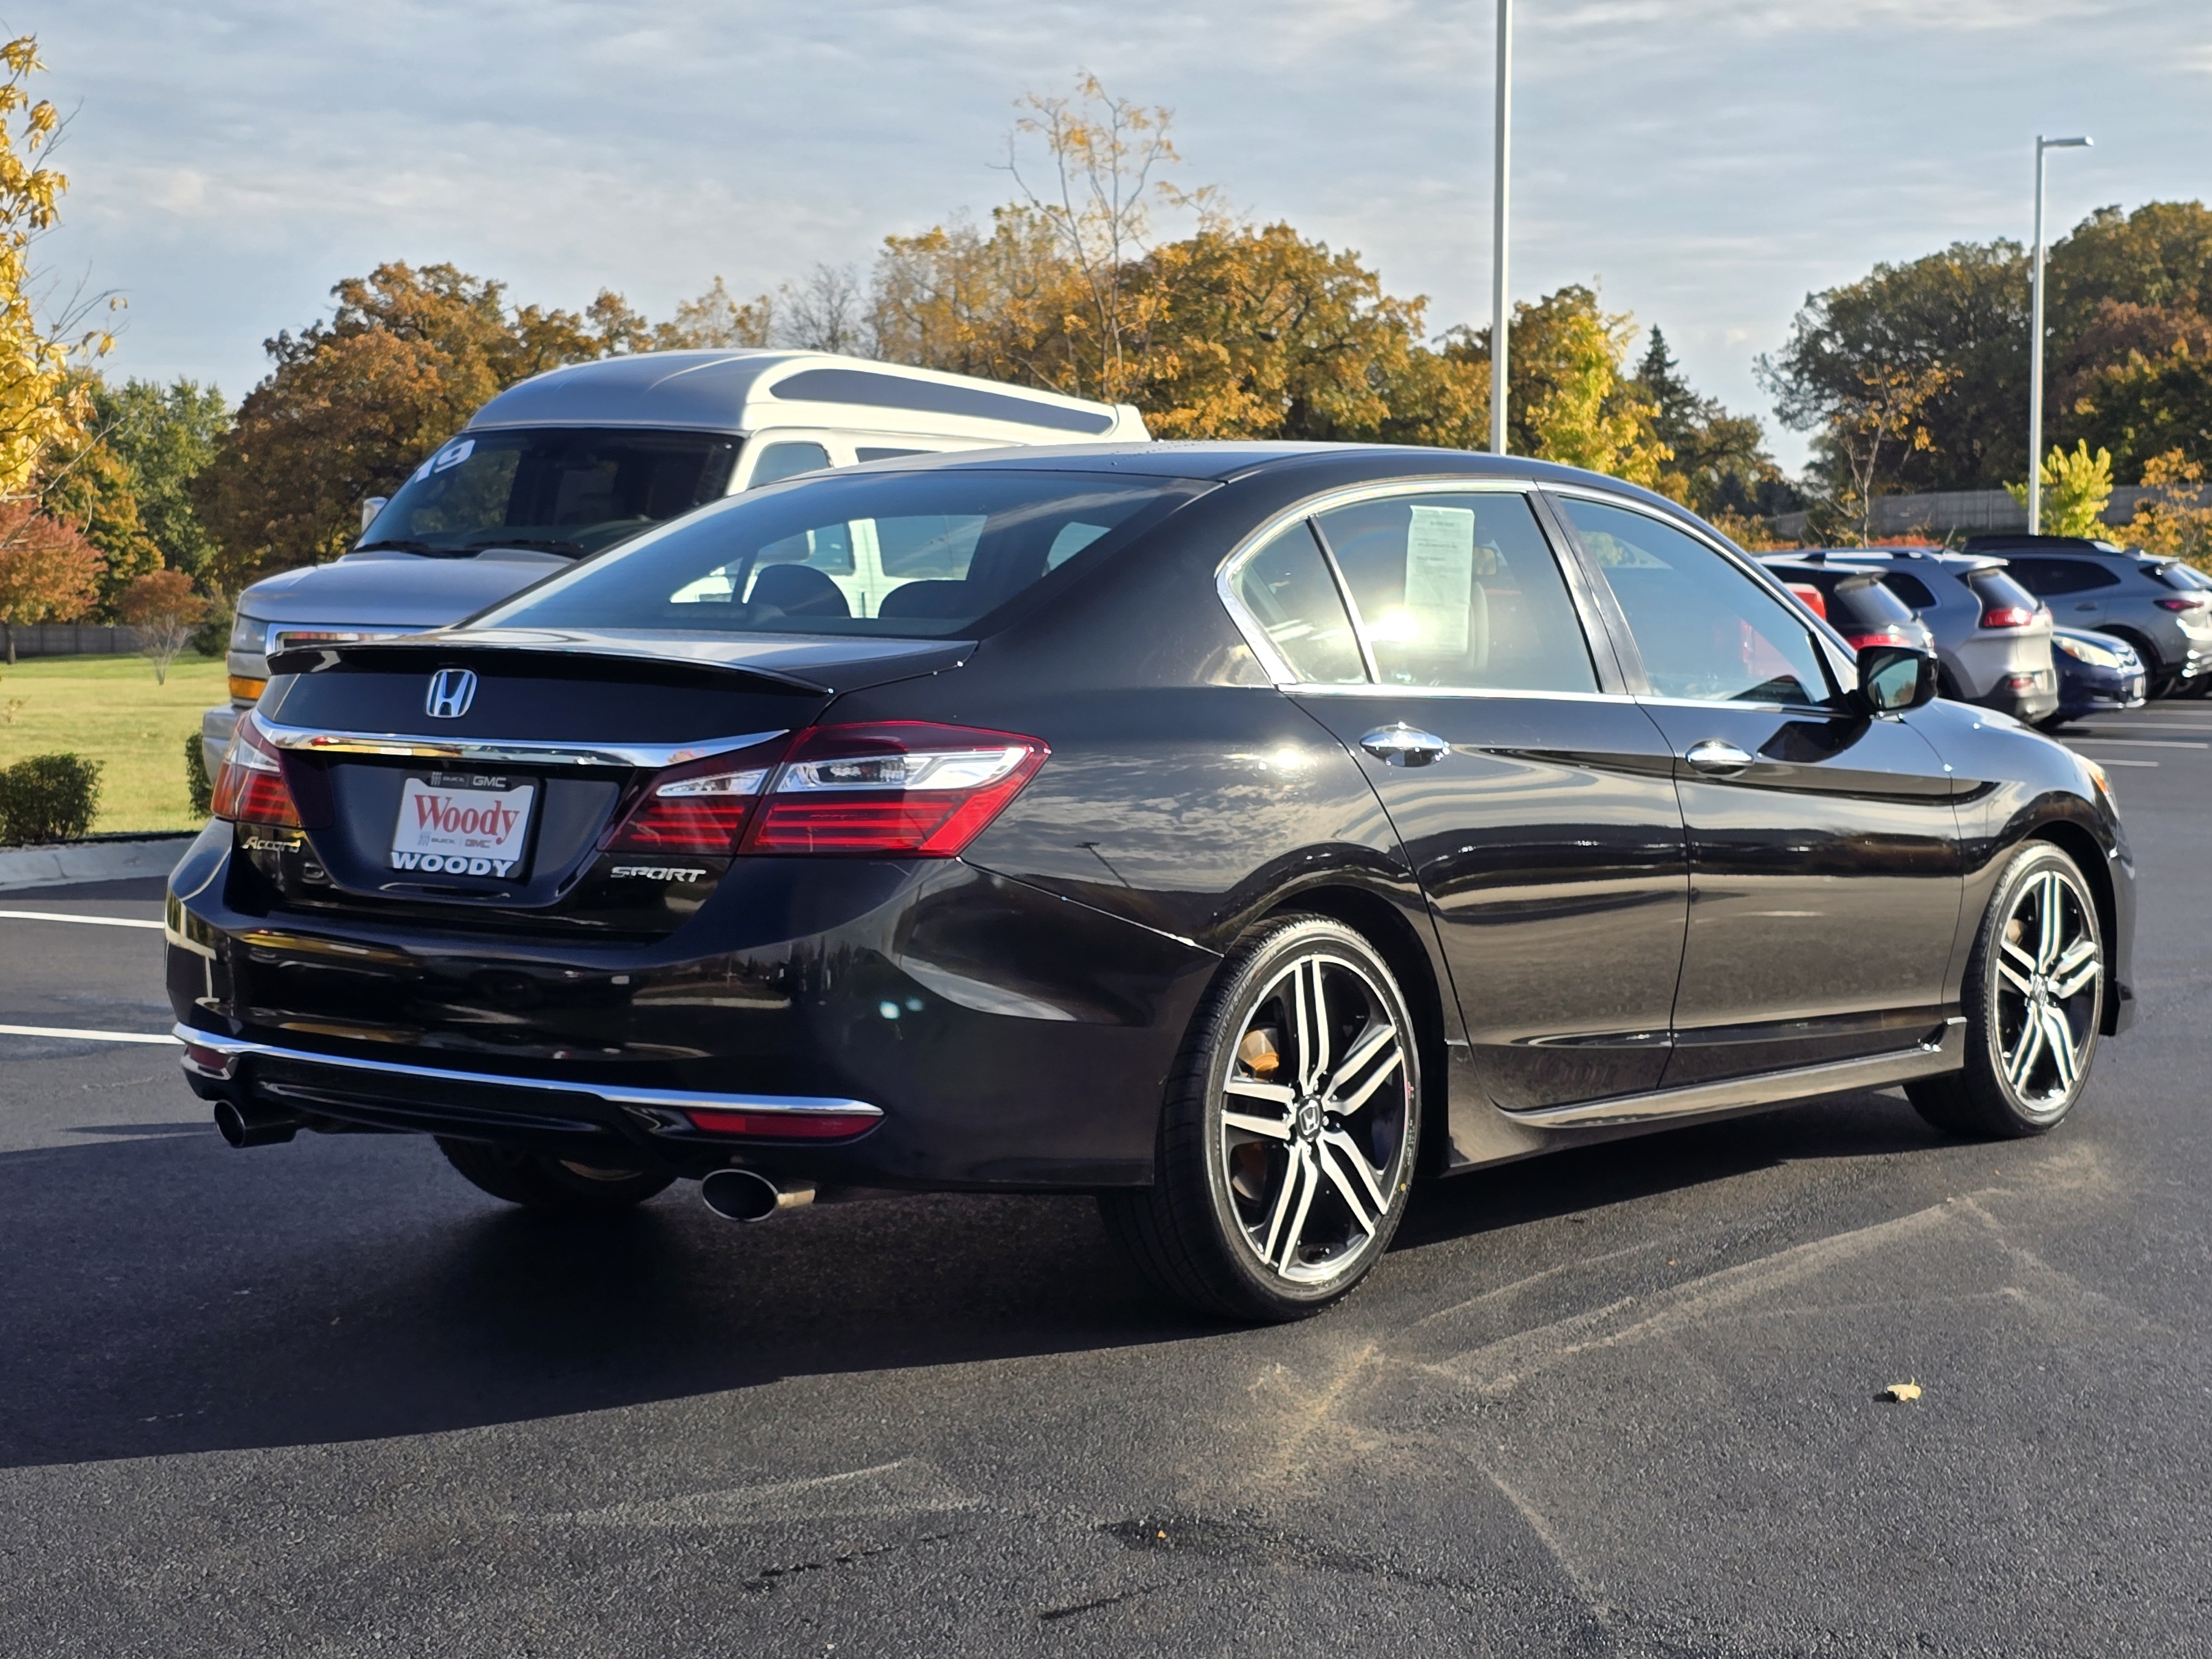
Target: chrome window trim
column 1505, row 693
column 1327, row 501
column 233, row 1049
column 504, row 750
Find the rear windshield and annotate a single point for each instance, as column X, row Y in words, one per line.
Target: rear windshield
column 1994, row 588
column 563, row 490
column 1868, row 601
column 2184, row 577
column 920, row 553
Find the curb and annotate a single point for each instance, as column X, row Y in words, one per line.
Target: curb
column 91, row 860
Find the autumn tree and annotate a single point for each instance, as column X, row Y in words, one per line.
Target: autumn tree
column 163, row 608
column 2175, row 520
column 49, row 571
column 2075, row 489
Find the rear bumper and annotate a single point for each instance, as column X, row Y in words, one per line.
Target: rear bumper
column 990, row 1035
column 2029, row 697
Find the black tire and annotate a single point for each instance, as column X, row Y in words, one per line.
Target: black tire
column 1257, row 1211
column 538, row 1181
column 2029, row 968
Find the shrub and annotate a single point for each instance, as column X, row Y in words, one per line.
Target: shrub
column 48, row 798
column 196, row 777
column 212, row 637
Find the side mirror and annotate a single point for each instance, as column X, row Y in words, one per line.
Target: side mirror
column 370, row 506
column 1893, row 678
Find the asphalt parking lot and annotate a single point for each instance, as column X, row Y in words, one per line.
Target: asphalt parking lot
column 327, row 1399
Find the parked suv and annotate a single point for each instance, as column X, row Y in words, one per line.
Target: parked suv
column 2110, row 589
column 571, row 463
column 1992, row 636
column 1856, row 603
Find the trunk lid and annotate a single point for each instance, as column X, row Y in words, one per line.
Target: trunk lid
column 497, row 813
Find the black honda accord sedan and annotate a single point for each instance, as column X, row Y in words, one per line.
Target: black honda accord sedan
column 1236, row 832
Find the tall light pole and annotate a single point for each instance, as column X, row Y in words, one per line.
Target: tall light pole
column 1499, row 205
column 2035, row 343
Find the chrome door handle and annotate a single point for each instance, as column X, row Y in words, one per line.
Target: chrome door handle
column 1718, row 756
column 1404, row 746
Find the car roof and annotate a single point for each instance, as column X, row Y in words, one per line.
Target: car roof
column 743, row 389
column 1224, row 460
column 2021, row 542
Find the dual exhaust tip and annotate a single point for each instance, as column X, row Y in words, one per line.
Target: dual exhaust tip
column 734, row 1194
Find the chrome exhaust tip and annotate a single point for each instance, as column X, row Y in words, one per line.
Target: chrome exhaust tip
column 240, row 1127
column 749, row 1195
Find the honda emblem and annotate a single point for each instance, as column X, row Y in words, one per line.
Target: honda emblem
column 452, row 691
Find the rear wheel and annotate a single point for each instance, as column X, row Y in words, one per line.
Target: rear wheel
column 2035, row 998
column 538, row 1181
column 1290, row 1130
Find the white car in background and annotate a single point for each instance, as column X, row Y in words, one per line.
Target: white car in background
column 570, row 462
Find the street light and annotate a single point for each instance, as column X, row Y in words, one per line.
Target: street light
column 2035, row 343
column 1498, row 196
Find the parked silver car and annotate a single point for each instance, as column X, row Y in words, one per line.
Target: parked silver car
column 2110, row 589
column 1992, row 636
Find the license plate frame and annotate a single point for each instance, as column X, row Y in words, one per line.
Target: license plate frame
column 472, row 825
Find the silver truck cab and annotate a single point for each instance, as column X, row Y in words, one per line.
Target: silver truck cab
column 573, row 461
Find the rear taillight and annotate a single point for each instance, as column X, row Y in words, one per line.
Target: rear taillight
column 891, row 787
column 250, row 787
column 1879, row 636
column 2181, row 605
column 2007, row 616
column 700, row 810
column 1815, row 601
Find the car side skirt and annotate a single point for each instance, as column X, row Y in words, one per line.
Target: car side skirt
column 1943, row 1050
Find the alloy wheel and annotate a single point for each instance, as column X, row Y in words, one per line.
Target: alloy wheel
column 2049, row 985
column 1314, row 1115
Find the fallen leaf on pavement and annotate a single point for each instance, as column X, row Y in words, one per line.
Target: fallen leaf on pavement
column 1902, row 1392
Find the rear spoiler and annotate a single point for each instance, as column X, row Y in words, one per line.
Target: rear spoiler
column 814, row 663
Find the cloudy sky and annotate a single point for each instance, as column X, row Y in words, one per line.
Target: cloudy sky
column 1709, row 161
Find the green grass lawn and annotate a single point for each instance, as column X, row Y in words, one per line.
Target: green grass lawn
column 109, row 709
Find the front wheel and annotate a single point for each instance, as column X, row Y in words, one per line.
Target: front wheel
column 538, row 1181
column 1289, row 1131
column 2034, row 1001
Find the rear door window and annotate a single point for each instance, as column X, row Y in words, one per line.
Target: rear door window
column 1460, row 590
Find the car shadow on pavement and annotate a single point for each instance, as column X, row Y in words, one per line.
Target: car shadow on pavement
column 166, row 1294
column 1647, row 1166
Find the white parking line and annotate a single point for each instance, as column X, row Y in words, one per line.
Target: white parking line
column 89, row 922
column 2117, row 761
column 2144, row 742
column 2165, row 725
column 80, row 1036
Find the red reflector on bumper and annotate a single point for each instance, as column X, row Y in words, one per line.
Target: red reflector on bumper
column 782, row 1126
column 207, row 1060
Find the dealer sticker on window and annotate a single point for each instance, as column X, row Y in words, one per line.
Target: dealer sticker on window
column 461, row 831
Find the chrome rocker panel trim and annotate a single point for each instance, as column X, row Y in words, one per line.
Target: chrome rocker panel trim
column 233, row 1049
column 504, row 751
column 1947, row 1053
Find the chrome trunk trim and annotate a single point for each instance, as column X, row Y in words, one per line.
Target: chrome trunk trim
column 233, row 1049
column 1947, row 1052
column 477, row 751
